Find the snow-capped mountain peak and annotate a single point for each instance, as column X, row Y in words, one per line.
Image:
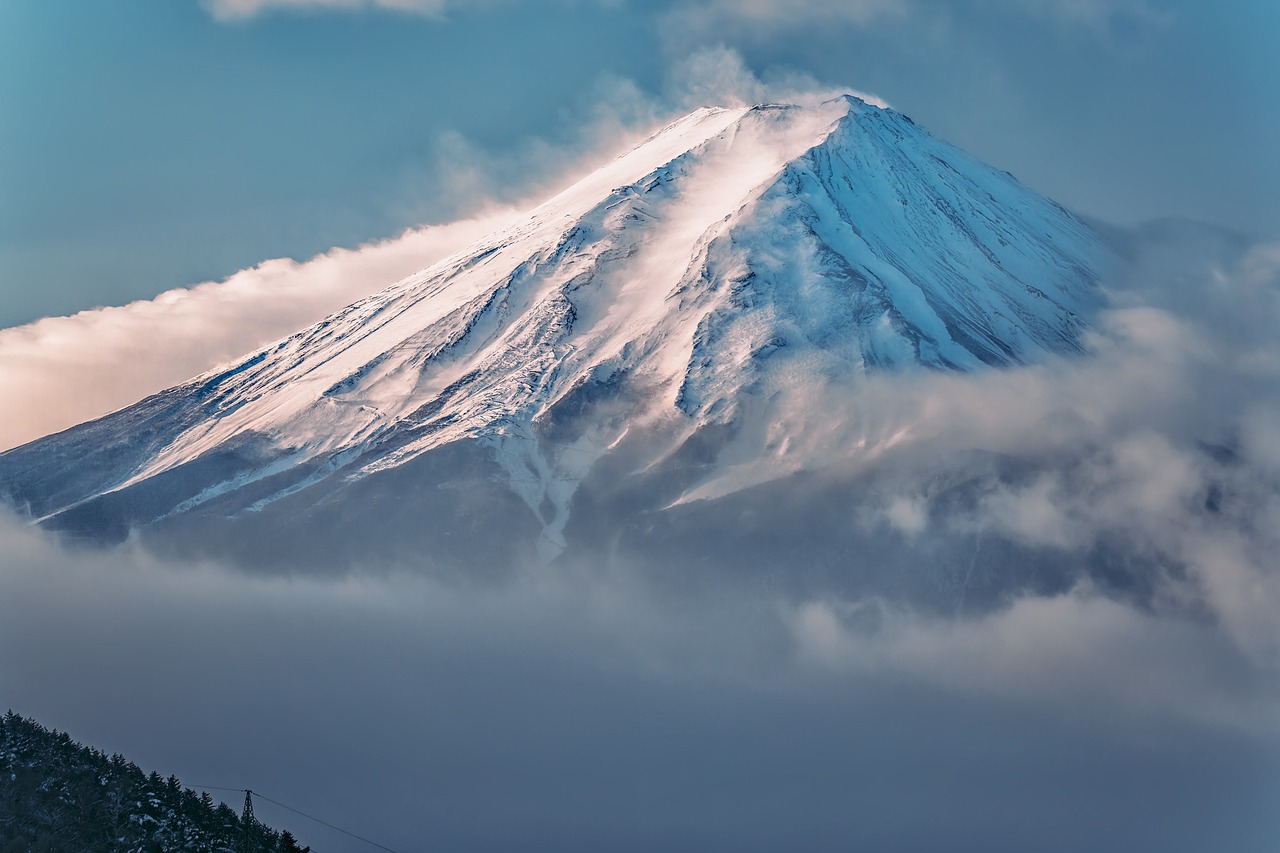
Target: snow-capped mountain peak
column 732, row 256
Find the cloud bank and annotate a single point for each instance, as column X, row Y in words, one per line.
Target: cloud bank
column 595, row 710
column 1155, row 457
column 61, row 371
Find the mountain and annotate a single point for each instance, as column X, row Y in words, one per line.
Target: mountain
column 645, row 347
column 57, row 795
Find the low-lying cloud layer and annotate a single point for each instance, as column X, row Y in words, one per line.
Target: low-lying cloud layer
column 590, row 710
column 1159, row 450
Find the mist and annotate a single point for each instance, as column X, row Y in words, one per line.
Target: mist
column 572, row 710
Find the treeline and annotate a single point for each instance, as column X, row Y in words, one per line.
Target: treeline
column 57, row 796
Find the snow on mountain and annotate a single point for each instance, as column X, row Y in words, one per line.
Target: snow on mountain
column 686, row 287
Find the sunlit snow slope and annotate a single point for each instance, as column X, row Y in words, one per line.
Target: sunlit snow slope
column 735, row 254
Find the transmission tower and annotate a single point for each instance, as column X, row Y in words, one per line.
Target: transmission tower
column 247, row 820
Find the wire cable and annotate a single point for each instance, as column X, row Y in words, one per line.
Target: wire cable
column 295, row 811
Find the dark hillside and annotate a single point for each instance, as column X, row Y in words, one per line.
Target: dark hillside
column 57, row 796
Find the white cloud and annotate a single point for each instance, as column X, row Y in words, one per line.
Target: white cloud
column 765, row 16
column 758, row 18
column 240, row 10
column 1096, row 15
column 565, row 700
column 60, row 371
column 1080, row 651
column 763, row 19
column 719, row 76
column 231, row 10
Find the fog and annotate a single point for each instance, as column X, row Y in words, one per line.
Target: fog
column 574, row 711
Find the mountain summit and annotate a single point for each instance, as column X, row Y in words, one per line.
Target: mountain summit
column 707, row 285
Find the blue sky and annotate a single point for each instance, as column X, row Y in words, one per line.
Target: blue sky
column 152, row 144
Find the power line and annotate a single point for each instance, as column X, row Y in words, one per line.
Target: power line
column 325, row 823
column 247, row 792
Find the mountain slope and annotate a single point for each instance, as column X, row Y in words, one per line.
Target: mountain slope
column 733, row 260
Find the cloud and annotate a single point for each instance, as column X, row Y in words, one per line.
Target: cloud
column 765, row 19
column 1100, row 16
column 764, row 16
column 612, row 115
column 1079, row 650
column 233, row 10
column 1142, row 477
column 60, row 371
column 719, row 76
column 596, row 710
column 240, row 10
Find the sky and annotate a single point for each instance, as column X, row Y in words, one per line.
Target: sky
column 259, row 163
column 147, row 145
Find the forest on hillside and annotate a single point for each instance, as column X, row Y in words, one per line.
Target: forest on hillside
column 59, row 796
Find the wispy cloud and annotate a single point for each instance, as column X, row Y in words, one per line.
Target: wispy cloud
column 761, row 15
column 719, row 76
column 1097, row 15
column 241, row 10
column 234, row 10
column 60, row 371
column 723, row 19
column 753, row 17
